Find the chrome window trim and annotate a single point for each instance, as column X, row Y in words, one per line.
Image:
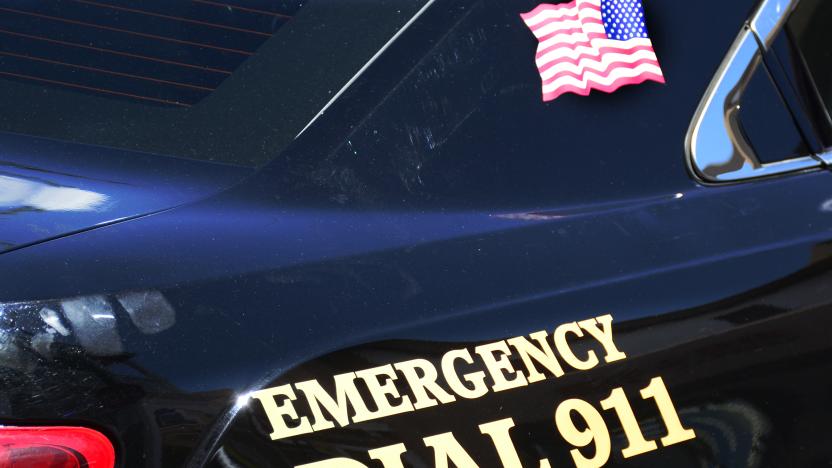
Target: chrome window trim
column 716, row 149
column 770, row 18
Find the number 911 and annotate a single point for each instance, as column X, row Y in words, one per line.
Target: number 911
column 574, row 413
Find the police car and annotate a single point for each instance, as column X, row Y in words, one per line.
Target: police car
column 415, row 233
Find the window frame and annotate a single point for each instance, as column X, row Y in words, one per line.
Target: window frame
column 715, row 128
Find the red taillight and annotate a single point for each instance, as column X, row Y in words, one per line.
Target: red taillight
column 54, row 447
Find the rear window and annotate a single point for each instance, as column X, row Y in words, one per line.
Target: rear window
column 223, row 81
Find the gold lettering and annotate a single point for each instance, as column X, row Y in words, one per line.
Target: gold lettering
column 276, row 412
column 390, row 456
column 446, row 448
column 543, row 355
column 637, row 443
column 540, row 356
column 566, row 351
column 498, row 431
column 676, row 432
column 477, row 379
column 604, row 336
column 420, row 386
column 500, row 367
column 334, row 463
column 345, row 393
column 381, row 393
column 596, row 432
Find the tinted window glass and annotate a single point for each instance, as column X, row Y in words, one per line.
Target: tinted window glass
column 767, row 123
column 810, row 32
column 213, row 80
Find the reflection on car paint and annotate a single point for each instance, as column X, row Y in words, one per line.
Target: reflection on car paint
column 18, row 193
column 149, row 310
column 91, row 322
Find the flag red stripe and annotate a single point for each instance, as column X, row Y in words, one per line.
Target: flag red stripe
column 563, row 6
column 565, row 18
column 605, row 88
column 601, row 52
column 602, row 73
column 574, row 45
column 560, row 32
column 545, row 7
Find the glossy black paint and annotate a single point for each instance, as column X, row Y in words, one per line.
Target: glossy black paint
column 438, row 203
column 742, row 382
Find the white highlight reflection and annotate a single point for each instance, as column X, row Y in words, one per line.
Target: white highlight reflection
column 22, row 193
column 242, row 400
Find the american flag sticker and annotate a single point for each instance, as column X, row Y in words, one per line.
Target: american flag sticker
column 592, row 44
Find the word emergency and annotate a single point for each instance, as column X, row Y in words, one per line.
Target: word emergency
column 463, row 372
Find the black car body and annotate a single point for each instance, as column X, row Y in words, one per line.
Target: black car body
column 344, row 233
